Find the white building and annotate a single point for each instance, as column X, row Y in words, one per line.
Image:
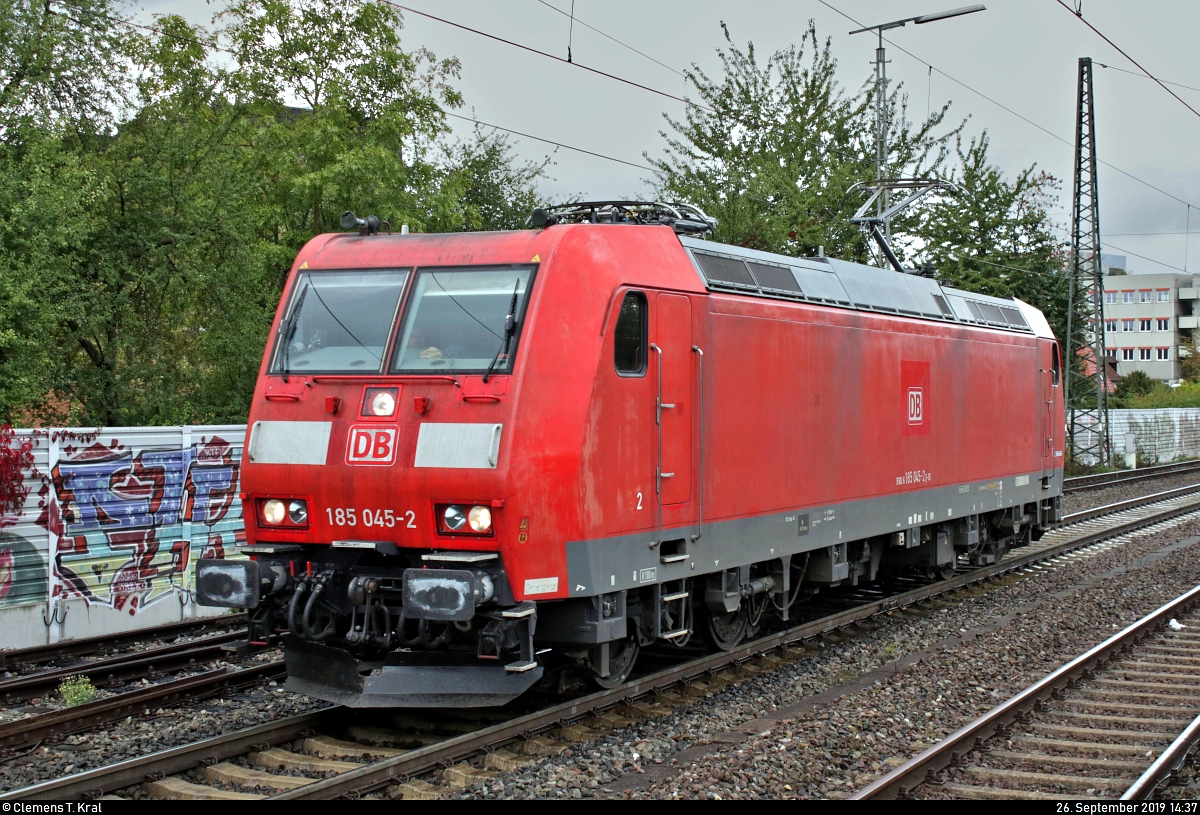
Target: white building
column 1147, row 317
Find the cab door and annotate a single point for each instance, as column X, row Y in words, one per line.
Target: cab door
column 673, row 409
column 1051, row 392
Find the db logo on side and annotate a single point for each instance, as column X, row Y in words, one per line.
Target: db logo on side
column 371, row 445
column 915, row 405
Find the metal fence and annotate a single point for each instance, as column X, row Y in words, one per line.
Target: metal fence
column 113, row 525
column 1162, row 435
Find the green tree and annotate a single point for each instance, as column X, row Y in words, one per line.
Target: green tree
column 494, row 191
column 371, row 117
column 771, row 149
column 1189, row 359
column 128, row 243
column 144, row 262
column 997, row 237
column 60, row 64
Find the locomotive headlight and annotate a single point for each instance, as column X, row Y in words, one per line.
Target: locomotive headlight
column 480, row 519
column 273, row 512
column 298, row 512
column 380, row 401
column 454, row 518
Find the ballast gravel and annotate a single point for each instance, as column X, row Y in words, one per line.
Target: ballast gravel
column 155, row 730
column 1101, row 496
column 965, row 654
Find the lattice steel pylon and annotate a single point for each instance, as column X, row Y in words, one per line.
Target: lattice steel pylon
column 1086, row 396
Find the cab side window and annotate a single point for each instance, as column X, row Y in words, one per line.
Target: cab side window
column 1055, row 370
column 629, row 338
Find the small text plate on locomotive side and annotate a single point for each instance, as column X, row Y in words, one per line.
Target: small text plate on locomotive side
column 541, row 585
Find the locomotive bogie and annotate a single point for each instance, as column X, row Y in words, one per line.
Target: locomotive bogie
column 476, row 461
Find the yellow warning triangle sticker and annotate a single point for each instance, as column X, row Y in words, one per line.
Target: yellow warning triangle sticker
column 304, row 265
column 536, row 259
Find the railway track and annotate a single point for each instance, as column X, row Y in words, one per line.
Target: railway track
column 15, row 658
column 1089, row 482
column 19, row 733
column 1113, row 723
column 131, row 665
column 335, row 752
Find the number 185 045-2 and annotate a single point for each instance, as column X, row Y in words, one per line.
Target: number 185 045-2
column 349, row 516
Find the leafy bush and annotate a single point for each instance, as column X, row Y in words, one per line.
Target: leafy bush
column 1186, row 395
column 77, row 690
column 1137, row 383
column 15, row 457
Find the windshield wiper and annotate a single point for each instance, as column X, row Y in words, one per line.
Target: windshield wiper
column 510, row 327
column 289, row 329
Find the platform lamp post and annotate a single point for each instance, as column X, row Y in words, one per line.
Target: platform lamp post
column 881, row 80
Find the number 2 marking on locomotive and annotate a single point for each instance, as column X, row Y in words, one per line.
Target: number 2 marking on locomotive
column 412, row 517
column 639, row 506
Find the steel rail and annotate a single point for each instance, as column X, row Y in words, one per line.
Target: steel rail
column 135, row 663
column 82, row 647
column 175, row 760
column 972, row 735
column 19, row 732
column 1165, row 765
column 128, row 773
column 1129, row 503
column 1087, row 482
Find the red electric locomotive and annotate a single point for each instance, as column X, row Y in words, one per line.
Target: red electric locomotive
column 473, row 458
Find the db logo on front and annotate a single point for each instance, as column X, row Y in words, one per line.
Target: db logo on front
column 916, row 405
column 371, row 444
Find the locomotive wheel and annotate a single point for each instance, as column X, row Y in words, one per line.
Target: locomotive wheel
column 946, row 571
column 724, row 631
column 621, row 658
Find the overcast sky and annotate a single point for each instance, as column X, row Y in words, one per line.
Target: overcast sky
column 1021, row 53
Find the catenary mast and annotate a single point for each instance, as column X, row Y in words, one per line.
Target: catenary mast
column 1086, row 396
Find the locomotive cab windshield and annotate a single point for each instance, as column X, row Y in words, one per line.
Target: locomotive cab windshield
column 464, row 319
column 339, row 322
column 459, row 318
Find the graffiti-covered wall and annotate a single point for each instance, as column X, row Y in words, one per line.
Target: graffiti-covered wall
column 1161, row 436
column 113, row 525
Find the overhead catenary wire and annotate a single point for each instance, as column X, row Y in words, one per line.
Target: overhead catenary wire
column 974, row 259
column 1079, row 16
column 1007, row 109
column 547, row 55
column 575, row 19
column 1143, row 76
column 549, row 141
column 1143, row 257
column 689, row 102
column 1147, row 234
column 571, row 32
